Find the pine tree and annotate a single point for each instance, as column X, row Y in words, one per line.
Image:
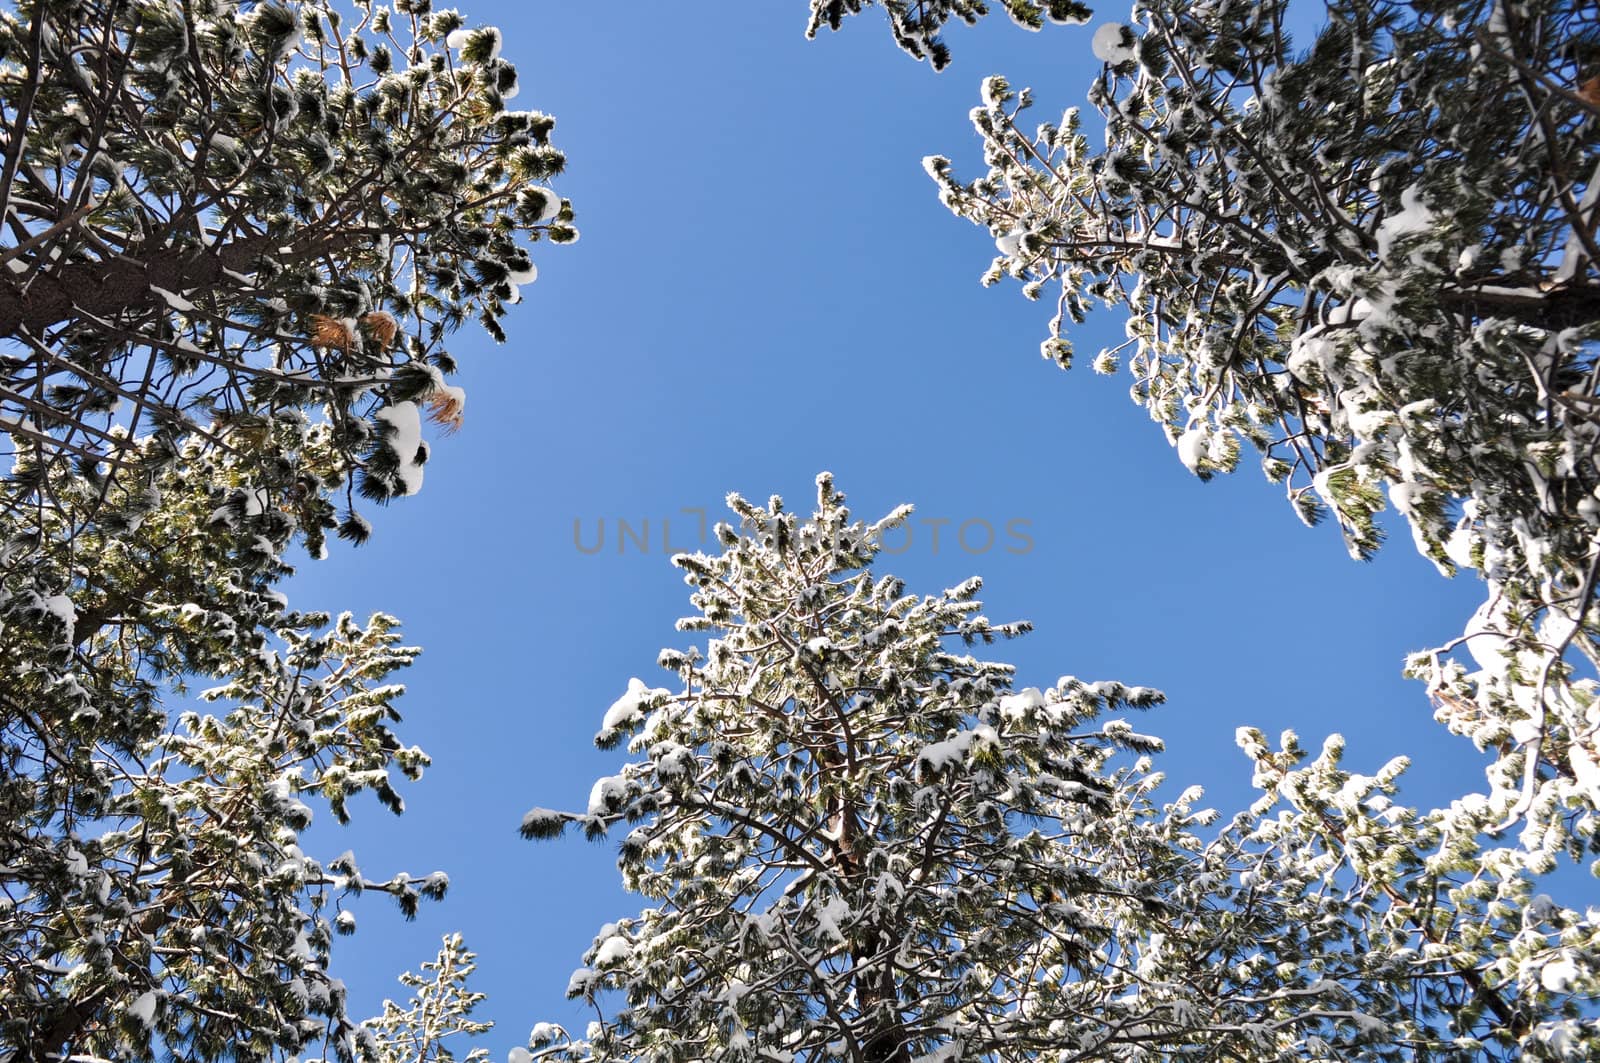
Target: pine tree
column 219, row 212
column 1330, row 257
column 861, row 843
column 916, row 24
column 238, row 238
column 440, row 1008
column 155, row 894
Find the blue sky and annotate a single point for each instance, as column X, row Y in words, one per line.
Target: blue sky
column 767, row 287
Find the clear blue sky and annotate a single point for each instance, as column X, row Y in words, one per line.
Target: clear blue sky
column 766, row 287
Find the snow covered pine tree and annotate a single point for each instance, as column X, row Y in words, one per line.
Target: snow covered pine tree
column 237, row 237
column 440, row 1008
column 915, row 24
column 1331, row 256
column 864, row 846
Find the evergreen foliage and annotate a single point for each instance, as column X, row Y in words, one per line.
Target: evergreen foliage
column 237, row 239
column 916, row 24
column 1331, row 256
column 860, row 842
column 220, row 212
column 439, row 1009
column 155, row 893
